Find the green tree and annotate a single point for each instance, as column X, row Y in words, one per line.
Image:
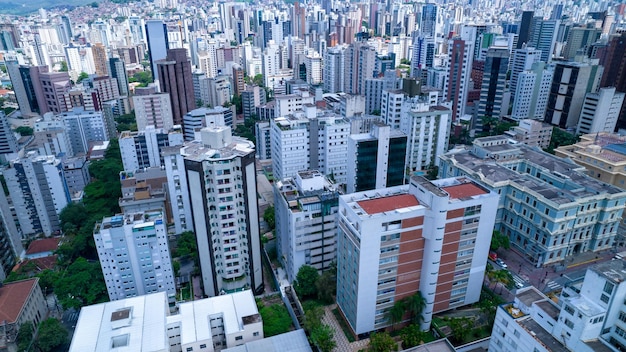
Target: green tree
column 187, row 246
column 258, row 80
column 47, row 279
column 433, row 172
column 51, row 336
column 560, row 138
column 82, row 76
column 305, row 281
column 313, row 314
column 143, row 77
column 412, row 336
column 63, row 67
column 326, row 286
column 126, row 122
column 499, row 240
column 237, row 101
column 246, row 130
column 24, row 336
column 270, row 217
column 324, row 337
column 24, row 131
column 396, row 313
column 461, row 328
column 81, row 284
column 382, row 342
column 500, row 277
column 415, row 305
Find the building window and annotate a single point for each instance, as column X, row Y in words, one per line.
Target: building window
column 604, row 298
column 608, row 288
column 256, row 333
column 569, row 309
column 239, row 338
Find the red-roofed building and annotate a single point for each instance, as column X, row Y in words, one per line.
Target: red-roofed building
column 44, row 247
column 20, row 302
column 430, row 237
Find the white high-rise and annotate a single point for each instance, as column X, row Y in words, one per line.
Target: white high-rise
column 600, row 111
column 313, row 63
column 334, row 69
column 310, row 140
column 134, row 255
column 523, row 60
column 143, row 149
column 531, row 94
column 221, row 179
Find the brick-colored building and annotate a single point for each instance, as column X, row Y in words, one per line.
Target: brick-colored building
column 429, row 236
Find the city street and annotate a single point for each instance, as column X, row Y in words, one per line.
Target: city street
column 548, row 279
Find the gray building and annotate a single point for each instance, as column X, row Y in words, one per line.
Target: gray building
column 84, row 128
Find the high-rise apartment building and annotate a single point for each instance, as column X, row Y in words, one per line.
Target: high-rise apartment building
column 523, row 60
column 335, row 69
column 221, row 179
column 423, row 55
column 614, row 63
column 24, row 80
column 8, row 143
column 309, row 141
column 525, row 28
column 430, row 237
column 50, row 137
column 142, row 149
column 543, row 36
column 117, row 68
column 375, row 159
column 175, row 78
column 532, row 92
column 39, row 193
column 428, row 25
column 178, row 193
column 100, row 59
column 134, row 255
column 56, row 85
column 152, row 109
column 156, row 35
column 459, row 67
column 600, row 111
column 579, row 40
column 84, row 128
column 199, row 118
column 306, row 221
column 549, row 209
column 493, row 85
column 570, row 83
column 251, row 98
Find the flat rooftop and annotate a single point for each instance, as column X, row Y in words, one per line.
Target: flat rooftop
column 542, row 336
column 293, row 341
column 464, row 190
column 384, row 204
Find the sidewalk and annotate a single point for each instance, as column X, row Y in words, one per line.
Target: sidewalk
column 343, row 345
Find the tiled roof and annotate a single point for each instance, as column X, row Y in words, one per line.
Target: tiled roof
column 13, row 296
column 43, row 245
column 379, row 205
column 464, row 190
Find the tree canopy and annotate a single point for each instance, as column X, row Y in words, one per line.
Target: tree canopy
column 382, row 342
column 24, row 130
column 52, row 336
column 305, row 281
column 499, row 240
column 81, row 284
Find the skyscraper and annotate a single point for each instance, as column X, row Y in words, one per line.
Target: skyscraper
column 428, row 25
column 134, row 255
column 176, row 79
column 118, row 71
column 543, row 37
column 523, row 59
column 494, row 83
column 525, row 28
column 376, row 159
column 100, row 61
column 570, row 83
column 460, row 59
column 156, row 33
column 221, row 179
column 614, row 75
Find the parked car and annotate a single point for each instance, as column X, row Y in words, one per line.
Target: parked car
column 501, row 263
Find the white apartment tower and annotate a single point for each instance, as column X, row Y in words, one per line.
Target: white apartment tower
column 134, row 255
column 523, row 60
column 84, row 128
column 306, row 221
column 39, row 193
column 177, row 190
column 532, row 92
column 310, row 140
column 334, row 69
column 313, row 63
column 600, row 111
column 152, row 108
column 221, row 180
column 142, row 149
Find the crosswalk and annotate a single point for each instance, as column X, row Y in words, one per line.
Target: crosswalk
column 519, row 282
column 552, row 286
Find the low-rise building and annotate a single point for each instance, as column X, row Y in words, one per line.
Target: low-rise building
column 22, row 302
column 532, row 132
column 549, row 208
column 145, row 323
